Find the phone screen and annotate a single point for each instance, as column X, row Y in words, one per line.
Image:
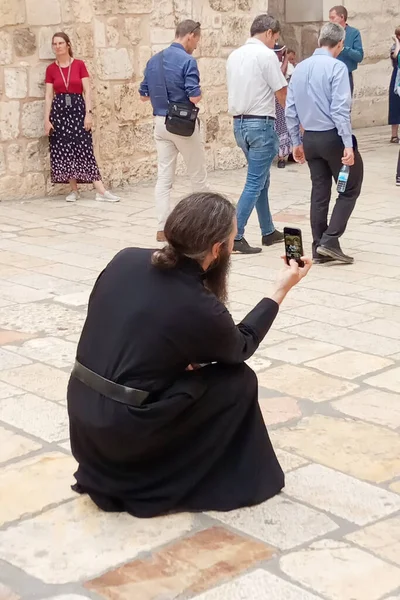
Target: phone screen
column 294, row 245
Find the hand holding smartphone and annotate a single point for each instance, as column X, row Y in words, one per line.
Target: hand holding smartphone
column 293, row 245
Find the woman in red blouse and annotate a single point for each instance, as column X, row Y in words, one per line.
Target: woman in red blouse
column 68, row 122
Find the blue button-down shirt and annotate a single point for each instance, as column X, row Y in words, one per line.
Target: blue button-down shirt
column 182, row 79
column 319, row 97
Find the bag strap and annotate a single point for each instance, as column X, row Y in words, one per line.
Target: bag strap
column 162, row 70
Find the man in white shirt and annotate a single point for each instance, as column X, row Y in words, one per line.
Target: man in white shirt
column 254, row 79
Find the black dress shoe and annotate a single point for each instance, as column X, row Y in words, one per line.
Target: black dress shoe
column 273, row 238
column 322, row 260
column 335, row 254
column 243, row 247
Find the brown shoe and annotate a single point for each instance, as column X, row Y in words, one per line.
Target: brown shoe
column 161, row 236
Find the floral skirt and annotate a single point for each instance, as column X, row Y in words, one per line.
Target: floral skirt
column 285, row 144
column 71, row 146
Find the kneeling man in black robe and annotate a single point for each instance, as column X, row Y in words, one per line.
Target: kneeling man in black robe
column 163, row 410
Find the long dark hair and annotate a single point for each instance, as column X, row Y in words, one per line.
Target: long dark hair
column 197, row 223
column 66, row 39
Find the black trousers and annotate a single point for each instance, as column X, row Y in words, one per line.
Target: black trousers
column 351, row 83
column 398, row 166
column 324, row 151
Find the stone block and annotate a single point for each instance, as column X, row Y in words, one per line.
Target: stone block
column 3, row 167
column 245, row 5
column 142, row 169
column 37, row 84
column 212, row 128
column 371, row 80
column 11, row 187
column 212, row 72
column 132, row 30
column 12, row 12
column 36, row 154
column 105, row 7
column 144, row 137
column 15, row 159
column 16, row 82
column 135, row 7
column 82, row 40
column 109, row 134
column 112, row 32
column 163, row 14
column 9, row 120
column 235, row 30
column 223, row 5
column 32, row 119
column 225, row 135
column 82, row 11
column 229, row 158
column 309, row 40
column 144, row 56
column 187, row 566
column 102, row 102
column 114, row 63
column 370, row 112
column 45, row 37
column 99, row 34
column 24, row 42
column 46, row 12
column 215, row 101
column 128, row 105
column 159, row 35
column 6, row 48
column 210, row 43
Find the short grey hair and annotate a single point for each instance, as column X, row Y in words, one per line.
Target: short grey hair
column 264, row 23
column 331, row 34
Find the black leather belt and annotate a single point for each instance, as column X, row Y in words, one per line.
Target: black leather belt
column 110, row 389
column 267, row 118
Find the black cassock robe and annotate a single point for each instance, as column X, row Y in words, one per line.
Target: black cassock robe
column 199, row 442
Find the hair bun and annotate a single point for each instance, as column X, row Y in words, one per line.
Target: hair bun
column 166, row 258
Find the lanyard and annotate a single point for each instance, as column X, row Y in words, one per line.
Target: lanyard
column 66, row 82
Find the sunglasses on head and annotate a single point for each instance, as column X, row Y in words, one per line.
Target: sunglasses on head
column 198, row 25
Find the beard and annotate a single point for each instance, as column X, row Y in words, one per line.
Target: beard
column 216, row 277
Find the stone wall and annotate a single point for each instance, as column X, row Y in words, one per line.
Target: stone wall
column 116, row 38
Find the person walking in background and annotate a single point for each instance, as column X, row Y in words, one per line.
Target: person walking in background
column 352, row 53
column 292, row 62
column 319, row 98
column 254, row 79
column 280, row 123
column 172, row 76
column 394, row 91
column 68, row 122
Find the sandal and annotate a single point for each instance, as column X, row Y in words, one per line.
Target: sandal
column 394, row 139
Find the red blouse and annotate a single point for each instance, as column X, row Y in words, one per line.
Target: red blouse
column 78, row 72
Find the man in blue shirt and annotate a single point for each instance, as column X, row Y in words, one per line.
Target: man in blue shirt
column 319, row 99
column 173, row 76
column 352, row 53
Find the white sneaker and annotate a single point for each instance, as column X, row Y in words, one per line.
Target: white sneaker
column 107, row 197
column 73, row 197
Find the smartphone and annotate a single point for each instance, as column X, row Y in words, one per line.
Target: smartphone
column 293, row 245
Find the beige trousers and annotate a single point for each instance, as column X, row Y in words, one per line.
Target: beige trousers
column 168, row 147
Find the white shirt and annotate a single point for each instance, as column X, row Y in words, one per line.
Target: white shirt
column 290, row 70
column 254, row 75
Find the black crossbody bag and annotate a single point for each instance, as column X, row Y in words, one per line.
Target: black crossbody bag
column 182, row 116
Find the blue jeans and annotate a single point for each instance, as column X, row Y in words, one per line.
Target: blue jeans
column 260, row 143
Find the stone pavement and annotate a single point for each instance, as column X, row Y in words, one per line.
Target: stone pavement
column 329, row 375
